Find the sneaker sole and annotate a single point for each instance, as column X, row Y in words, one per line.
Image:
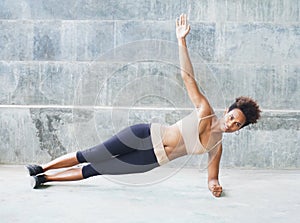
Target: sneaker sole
column 27, row 170
column 33, row 182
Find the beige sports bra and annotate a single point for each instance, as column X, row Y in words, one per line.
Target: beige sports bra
column 188, row 127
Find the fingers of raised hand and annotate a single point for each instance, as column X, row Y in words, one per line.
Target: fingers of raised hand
column 182, row 20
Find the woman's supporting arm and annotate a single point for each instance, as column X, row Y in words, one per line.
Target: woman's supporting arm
column 214, row 158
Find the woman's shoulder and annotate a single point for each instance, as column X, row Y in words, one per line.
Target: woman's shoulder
column 204, row 111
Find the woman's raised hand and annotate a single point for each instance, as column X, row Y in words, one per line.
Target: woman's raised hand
column 182, row 27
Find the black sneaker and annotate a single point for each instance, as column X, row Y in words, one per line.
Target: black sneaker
column 37, row 181
column 34, row 170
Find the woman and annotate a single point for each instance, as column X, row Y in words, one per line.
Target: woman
column 142, row 147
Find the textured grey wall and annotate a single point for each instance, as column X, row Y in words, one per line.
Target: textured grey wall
column 74, row 72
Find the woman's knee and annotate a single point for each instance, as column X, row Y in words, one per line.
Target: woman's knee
column 89, row 171
column 80, row 157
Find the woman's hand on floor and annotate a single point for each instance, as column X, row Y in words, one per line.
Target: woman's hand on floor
column 215, row 187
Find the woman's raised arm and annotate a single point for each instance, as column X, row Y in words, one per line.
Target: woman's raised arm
column 187, row 72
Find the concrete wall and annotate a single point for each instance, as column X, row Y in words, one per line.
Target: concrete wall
column 74, row 72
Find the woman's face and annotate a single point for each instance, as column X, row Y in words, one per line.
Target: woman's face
column 233, row 120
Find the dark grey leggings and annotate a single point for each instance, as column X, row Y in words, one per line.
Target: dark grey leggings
column 129, row 151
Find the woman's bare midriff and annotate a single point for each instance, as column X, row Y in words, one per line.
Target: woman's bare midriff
column 173, row 142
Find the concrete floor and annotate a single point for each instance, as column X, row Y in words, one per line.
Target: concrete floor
column 249, row 196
